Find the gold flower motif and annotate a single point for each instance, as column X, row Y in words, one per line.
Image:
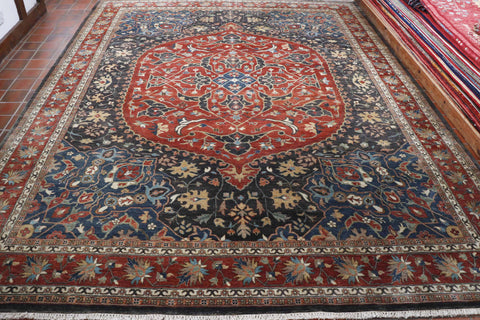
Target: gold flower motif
column 289, row 168
column 285, row 198
column 185, row 169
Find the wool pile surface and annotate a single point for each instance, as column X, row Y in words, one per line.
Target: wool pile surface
column 227, row 155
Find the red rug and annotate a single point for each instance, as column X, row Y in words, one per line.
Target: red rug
column 460, row 22
column 229, row 155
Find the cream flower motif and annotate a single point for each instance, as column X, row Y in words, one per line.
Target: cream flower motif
column 370, row 117
column 161, row 128
column 103, row 83
column 97, row 116
column 360, row 81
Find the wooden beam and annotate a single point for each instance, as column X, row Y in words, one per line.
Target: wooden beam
column 441, row 99
column 22, row 13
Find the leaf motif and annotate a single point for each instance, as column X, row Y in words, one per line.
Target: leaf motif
column 260, row 207
column 280, row 216
column 243, row 229
column 424, row 278
column 203, row 218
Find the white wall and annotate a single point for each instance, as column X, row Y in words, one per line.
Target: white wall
column 29, row 4
column 8, row 11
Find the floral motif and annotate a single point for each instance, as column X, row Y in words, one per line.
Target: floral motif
column 195, row 200
column 297, row 270
column 285, row 198
column 242, row 215
column 185, row 169
column 349, row 269
column 450, row 267
column 12, row 177
column 138, row 270
column 193, row 272
column 289, row 168
column 400, row 269
column 34, row 268
column 247, row 270
column 86, row 270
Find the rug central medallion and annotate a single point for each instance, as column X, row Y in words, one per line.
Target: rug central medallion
column 233, row 96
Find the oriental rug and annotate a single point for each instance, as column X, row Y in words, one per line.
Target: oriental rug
column 235, row 157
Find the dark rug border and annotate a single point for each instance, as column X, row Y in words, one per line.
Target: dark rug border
column 47, row 76
column 225, row 310
column 231, row 310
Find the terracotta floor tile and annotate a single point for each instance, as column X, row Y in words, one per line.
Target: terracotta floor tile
column 59, row 37
column 48, row 23
column 64, row 6
column 70, row 30
column 29, row 95
column 37, row 84
column 22, row 84
column 10, row 108
column 36, row 37
column 38, row 64
column 24, row 54
column 12, row 123
column 4, row 120
column 52, row 43
column 44, row 54
column 29, row 46
column 30, row 73
column 81, row 5
column 5, row 83
column 60, row 14
column 33, row 57
column 16, row 64
column 43, row 30
column 43, row 74
column 15, row 96
column 68, row 23
column 9, row 74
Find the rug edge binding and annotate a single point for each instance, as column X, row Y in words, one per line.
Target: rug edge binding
column 365, row 315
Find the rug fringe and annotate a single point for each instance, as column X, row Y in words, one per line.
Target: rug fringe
column 377, row 315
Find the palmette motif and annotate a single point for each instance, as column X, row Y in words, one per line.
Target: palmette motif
column 234, row 157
